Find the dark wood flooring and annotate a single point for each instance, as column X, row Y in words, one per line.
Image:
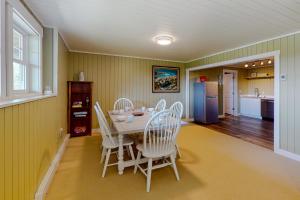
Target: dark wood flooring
column 256, row 131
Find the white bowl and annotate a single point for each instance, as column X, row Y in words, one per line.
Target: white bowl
column 121, row 118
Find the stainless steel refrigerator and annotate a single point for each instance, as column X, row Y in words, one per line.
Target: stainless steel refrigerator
column 206, row 102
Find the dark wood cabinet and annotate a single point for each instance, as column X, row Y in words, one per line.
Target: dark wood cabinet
column 79, row 108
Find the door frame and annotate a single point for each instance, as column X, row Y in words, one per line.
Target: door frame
column 236, row 99
column 276, row 55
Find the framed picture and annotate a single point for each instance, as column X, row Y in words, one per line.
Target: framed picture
column 165, row 79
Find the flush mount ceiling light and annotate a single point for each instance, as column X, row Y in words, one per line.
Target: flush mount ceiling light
column 246, row 65
column 270, row 62
column 261, row 63
column 163, row 39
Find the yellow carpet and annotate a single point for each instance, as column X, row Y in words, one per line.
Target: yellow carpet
column 214, row 166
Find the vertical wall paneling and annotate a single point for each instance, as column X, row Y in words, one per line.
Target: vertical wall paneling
column 116, row 77
column 29, row 138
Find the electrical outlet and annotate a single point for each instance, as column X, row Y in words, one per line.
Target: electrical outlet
column 61, row 130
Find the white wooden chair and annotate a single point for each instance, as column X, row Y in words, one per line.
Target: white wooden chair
column 123, row 103
column 160, row 106
column 110, row 142
column 159, row 142
column 177, row 107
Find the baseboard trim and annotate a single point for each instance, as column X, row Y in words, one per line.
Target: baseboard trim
column 44, row 185
column 288, row 154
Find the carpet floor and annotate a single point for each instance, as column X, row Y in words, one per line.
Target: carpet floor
column 214, row 166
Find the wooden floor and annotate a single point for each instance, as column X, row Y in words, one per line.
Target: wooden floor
column 259, row 132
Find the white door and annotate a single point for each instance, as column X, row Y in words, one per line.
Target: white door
column 228, row 94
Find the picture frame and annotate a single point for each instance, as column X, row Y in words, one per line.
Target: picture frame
column 165, row 79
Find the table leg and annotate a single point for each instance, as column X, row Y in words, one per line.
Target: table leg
column 120, row 157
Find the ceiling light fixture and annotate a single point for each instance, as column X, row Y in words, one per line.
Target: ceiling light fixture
column 253, row 65
column 163, row 40
column 246, row 65
column 270, row 62
column 261, row 63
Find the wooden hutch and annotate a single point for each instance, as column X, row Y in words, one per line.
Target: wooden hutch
column 79, row 108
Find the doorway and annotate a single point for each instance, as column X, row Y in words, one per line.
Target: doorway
column 252, row 62
column 230, row 93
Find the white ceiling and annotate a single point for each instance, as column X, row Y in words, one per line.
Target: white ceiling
column 201, row 27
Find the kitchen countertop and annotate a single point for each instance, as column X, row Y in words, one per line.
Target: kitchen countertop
column 255, row 97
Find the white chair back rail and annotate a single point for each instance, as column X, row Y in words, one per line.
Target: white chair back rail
column 101, row 112
column 177, row 107
column 122, row 103
column 160, row 134
column 160, row 106
column 104, row 128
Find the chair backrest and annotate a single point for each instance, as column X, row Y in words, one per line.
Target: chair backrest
column 122, row 103
column 160, row 106
column 177, row 107
column 104, row 128
column 100, row 111
column 160, row 133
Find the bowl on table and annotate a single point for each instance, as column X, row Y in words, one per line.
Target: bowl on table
column 137, row 113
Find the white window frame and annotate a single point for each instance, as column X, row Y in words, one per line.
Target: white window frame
column 7, row 8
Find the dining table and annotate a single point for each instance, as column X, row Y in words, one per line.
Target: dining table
column 137, row 124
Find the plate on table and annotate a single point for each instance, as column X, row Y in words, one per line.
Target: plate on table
column 137, row 113
column 121, row 118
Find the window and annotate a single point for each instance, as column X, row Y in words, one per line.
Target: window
column 21, row 75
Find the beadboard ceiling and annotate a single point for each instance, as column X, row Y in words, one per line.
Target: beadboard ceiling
column 200, row 27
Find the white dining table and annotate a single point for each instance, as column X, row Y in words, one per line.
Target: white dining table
column 137, row 125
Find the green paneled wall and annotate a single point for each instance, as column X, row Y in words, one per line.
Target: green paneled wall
column 289, row 47
column 116, row 77
column 29, row 137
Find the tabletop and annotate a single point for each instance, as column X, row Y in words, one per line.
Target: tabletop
column 137, row 125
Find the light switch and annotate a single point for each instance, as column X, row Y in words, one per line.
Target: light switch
column 283, row 77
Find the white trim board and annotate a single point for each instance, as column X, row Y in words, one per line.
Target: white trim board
column 45, row 183
column 288, row 154
column 276, row 55
column 126, row 56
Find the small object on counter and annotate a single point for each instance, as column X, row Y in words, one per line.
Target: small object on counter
column 138, row 113
column 81, row 76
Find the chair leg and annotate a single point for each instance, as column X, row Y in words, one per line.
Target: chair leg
column 178, row 151
column 149, row 171
column 131, row 152
column 103, row 154
column 174, row 166
column 106, row 162
column 137, row 161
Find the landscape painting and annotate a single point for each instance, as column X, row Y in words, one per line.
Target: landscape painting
column 165, row 79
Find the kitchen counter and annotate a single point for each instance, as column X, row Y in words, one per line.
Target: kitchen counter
column 250, row 105
column 253, row 96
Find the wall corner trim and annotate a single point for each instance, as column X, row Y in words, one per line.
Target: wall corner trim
column 288, row 154
column 45, row 183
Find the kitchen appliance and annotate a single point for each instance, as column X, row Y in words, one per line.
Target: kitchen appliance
column 267, row 109
column 206, row 102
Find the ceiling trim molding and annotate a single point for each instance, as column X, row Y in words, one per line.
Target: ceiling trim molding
column 244, row 46
column 125, row 56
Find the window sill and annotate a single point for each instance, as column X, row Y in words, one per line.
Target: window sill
column 12, row 102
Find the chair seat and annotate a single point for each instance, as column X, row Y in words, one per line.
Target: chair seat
column 115, row 142
column 140, row 147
